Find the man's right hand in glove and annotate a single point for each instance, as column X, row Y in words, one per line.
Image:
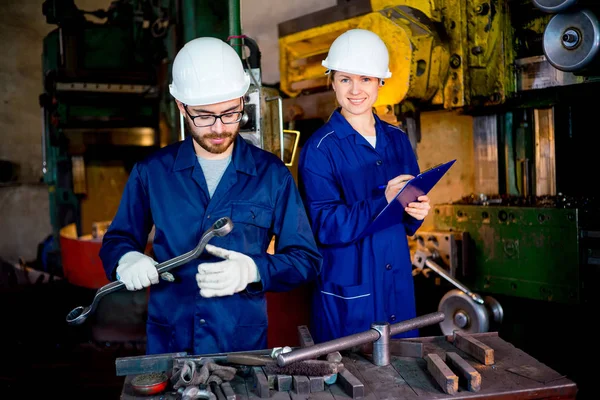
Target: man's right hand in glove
column 137, row 270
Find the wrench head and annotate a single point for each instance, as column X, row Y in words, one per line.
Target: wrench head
column 78, row 315
column 222, row 226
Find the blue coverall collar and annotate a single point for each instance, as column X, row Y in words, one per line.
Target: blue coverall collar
column 242, row 158
column 337, row 119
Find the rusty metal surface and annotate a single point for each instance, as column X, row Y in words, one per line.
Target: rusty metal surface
column 515, row 375
column 345, row 10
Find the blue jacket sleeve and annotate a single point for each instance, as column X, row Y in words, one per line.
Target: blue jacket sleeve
column 129, row 229
column 333, row 222
column 296, row 259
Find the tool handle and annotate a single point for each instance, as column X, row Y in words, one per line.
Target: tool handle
column 246, row 359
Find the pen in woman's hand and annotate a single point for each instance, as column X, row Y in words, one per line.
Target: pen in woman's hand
column 385, row 186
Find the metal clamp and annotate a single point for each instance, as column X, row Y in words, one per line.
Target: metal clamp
column 381, row 347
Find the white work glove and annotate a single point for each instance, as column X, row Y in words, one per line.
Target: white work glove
column 137, row 270
column 224, row 278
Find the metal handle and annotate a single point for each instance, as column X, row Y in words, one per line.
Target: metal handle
column 280, row 116
column 442, row 272
column 294, row 148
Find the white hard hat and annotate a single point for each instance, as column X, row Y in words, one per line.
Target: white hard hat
column 360, row 52
column 208, row 71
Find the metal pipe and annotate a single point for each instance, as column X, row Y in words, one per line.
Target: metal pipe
column 188, row 11
column 181, row 127
column 357, row 339
column 416, row 323
column 235, row 26
column 381, row 347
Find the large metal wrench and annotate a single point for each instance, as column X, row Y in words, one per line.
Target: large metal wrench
column 220, row 228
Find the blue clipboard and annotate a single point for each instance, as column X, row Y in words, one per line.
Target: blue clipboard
column 421, row 184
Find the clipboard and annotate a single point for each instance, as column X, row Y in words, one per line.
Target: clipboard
column 421, row 184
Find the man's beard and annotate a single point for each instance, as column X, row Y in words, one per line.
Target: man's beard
column 204, row 140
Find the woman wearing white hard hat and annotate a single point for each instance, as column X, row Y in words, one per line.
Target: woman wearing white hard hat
column 349, row 170
column 218, row 302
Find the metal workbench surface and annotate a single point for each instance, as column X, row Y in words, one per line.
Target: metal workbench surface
column 514, row 375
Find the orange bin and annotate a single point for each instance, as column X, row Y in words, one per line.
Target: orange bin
column 80, row 260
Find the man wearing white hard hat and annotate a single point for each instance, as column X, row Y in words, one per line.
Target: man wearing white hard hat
column 349, row 170
column 217, row 303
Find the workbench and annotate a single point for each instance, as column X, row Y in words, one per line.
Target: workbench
column 514, row 375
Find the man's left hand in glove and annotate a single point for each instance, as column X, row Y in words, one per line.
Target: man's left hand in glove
column 224, row 278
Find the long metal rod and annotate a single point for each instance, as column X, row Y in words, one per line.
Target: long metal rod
column 416, row 323
column 357, row 339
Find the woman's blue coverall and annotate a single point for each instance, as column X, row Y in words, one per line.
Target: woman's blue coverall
column 363, row 280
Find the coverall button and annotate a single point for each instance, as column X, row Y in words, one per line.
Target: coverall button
column 388, row 267
column 392, row 317
column 202, row 321
column 379, row 162
column 208, row 217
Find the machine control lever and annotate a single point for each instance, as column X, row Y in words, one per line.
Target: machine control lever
column 422, row 258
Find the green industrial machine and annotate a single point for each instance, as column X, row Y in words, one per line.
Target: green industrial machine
column 101, row 106
column 528, row 252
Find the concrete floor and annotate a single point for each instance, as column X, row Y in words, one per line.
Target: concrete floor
column 43, row 356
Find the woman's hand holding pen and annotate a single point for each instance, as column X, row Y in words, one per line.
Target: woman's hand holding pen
column 419, row 210
column 395, row 185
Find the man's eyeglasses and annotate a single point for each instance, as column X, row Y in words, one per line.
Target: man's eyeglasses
column 201, row 121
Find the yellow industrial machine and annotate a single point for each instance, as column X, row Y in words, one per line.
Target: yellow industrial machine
column 450, row 53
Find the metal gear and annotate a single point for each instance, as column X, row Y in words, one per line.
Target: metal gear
column 462, row 314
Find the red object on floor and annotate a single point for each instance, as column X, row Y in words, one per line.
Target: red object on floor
column 286, row 311
column 80, row 260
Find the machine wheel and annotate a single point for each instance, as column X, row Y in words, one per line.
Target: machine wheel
column 554, row 6
column 462, row 314
column 572, row 40
column 494, row 309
